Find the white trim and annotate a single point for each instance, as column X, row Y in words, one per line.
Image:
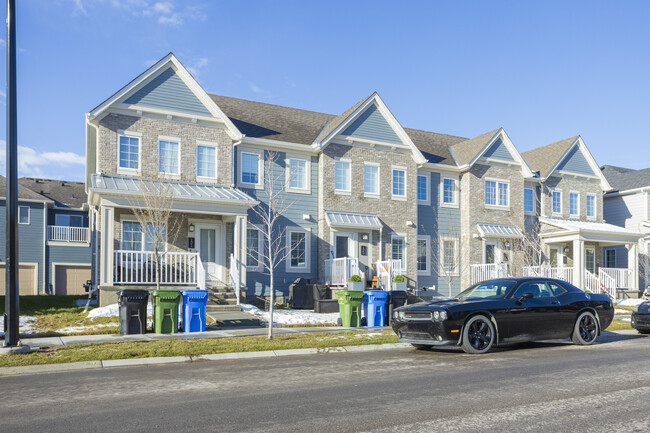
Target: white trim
column 497, row 182
column 209, row 179
column 427, row 270
column 378, row 183
column 534, row 211
column 605, row 251
column 433, row 166
column 444, row 239
column 307, row 188
column 593, row 251
column 427, row 178
column 55, row 264
column 29, row 215
column 260, row 245
column 143, row 241
column 595, row 215
column 347, row 191
column 278, row 144
column 260, row 169
column 307, row 265
column 177, row 141
column 405, row 255
column 577, row 193
column 454, row 203
column 519, row 160
column 127, row 170
column 393, row 169
column 554, row 190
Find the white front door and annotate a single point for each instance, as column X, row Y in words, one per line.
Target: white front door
column 209, row 245
column 555, row 257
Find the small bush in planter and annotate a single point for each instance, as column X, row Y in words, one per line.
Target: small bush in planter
column 399, row 282
column 355, row 283
column 399, row 279
column 355, row 279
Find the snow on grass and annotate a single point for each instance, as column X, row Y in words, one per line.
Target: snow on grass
column 80, row 329
column 25, row 325
column 292, row 317
column 113, row 310
column 619, row 311
column 629, row 302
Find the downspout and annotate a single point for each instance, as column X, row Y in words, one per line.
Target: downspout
column 233, row 173
column 87, row 177
column 45, row 266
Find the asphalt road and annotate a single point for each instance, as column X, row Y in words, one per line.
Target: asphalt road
column 537, row 387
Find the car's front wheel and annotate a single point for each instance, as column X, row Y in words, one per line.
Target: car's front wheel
column 585, row 330
column 478, row 335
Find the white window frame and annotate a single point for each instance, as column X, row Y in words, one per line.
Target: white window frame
column 143, row 239
column 29, row 215
column 260, row 244
column 200, row 143
column 606, row 250
column 377, row 183
column 574, row 215
column 307, row 266
column 260, row 169
column 307, row 188
column 404, row 260
column 454, row 203
column 559, row 191
column 595, row 215
column 530, row 212
column 427, row 177
column 348, row 190
column 171, row 140
column 496, row 193
column 593, row 252
column 395, row 168
column 427, row 269
column 129, row 134
column 444, row 239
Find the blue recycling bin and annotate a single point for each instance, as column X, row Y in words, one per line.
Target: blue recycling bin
column 374, row 306
column 193, row 311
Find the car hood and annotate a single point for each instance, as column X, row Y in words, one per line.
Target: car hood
column 644, row 307
column 454, row 302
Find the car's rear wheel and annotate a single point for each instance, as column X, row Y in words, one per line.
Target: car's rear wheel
column 585, row 330
column 422, row 346
column 478, row 335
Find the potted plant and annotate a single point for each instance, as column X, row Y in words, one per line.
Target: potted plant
column 399, row 283
column 355, row 283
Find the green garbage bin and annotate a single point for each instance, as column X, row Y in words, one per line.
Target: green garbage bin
column 350, row 307
column 165, row 311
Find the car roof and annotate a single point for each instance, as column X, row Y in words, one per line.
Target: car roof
column 568, row 286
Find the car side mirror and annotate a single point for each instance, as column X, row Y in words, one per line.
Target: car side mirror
column 524, row 296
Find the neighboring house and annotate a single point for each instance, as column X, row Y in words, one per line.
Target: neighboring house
column 67, row 252
column 32, row 214
column 370, row 196
column 628, row 205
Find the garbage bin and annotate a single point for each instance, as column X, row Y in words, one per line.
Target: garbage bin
column 397, row 298
column 350, row 307
column 375, row 307
column 165, row 311
column 193, row 310
column 133, row 311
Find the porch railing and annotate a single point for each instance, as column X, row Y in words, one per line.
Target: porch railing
column 386, row 270
column 139, row 267
column 607, row 283
column 622, row 276
column 488, row 271
column 235, row 277
column 67, row 234
column 338, row 271
column 559, row 273
column 200, row 274
column 591, row 283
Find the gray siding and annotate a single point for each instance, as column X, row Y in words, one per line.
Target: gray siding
column 258, row 282
column 371, row 125
column 624, row 211
column 168, row 91
column 435, row 221
column 498, row 150
column 575, row 162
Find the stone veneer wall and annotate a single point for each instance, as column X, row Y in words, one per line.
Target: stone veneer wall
column 567, row 185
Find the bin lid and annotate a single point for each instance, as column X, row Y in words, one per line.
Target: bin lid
column 377, row 294
column 194, row 294
column 169, row 295
column 133, row 294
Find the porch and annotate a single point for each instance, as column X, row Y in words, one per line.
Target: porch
column 338, row 272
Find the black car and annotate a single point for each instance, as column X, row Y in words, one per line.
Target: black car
column 641, row 318
column 503, row 311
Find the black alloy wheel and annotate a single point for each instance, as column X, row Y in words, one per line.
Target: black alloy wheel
column 478, row 335
column 585, row 330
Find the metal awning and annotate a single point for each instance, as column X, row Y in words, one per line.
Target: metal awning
column 589, row 231
column 488, row 230
column 352, row 220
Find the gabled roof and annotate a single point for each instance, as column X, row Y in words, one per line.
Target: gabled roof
column 338, row 120
column 466, row 151
column 23, row 193
column 583, row 228
column 623, row 179
column 543, row 159
column 433, row 146
column 63, row 192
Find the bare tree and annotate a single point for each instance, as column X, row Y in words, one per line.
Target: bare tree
column 268, row 214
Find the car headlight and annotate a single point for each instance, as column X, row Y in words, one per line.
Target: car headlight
column 436, row 315
column 439, row 316
column 443, row 315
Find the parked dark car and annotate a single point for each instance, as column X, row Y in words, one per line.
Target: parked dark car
column 503, row 311
column 641, row 318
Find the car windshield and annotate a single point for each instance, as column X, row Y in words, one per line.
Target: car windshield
column 495, row 289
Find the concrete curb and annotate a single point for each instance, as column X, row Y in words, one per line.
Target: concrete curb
column 111, row 363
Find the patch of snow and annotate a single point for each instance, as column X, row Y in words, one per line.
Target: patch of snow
column 619, row 311
column 25, row 325
column 629, row 302
column 76, row 329
column 113, row 310
column 292, row 317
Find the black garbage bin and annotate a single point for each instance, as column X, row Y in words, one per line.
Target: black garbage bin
column 396, row 298
column 133, row 311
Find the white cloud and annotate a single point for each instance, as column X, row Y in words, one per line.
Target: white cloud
column 173, row 13
column 198, row 65
column 163, row 8
column 50, row 165
column 255, row 89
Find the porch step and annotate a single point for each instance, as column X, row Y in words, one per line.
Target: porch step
column 212, row 308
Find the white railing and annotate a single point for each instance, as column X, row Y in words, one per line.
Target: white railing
column 139, row 267
column 559, row 273
column 488, row 271
column 200, row 274
column 235, row 278
column 386, row 270
column 607, row 283
column 622, row 276
column 591, row 283
column 338, row 271
column 67, row 234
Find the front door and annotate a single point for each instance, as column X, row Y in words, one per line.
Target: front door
column 343, row 245
column 491, row 253
column 208, row 246
column 555, row 257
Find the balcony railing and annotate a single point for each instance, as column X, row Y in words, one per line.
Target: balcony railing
column 176, row 268
column 67, row 234
column 559, row 273
column 338, row 271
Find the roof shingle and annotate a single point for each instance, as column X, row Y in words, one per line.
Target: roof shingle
column 622, row 179
column 63, row 193
column 543, row 159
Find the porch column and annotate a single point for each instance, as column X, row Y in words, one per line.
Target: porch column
column 236, row 242
column 243, row 249
column 106, row 246
column 578, row 263
column 633, row 263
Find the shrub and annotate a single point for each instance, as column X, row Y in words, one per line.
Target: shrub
column 355, row 279
column 398, row 279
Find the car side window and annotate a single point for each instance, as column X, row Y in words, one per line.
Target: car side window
column 538, row 289
column 556, row 289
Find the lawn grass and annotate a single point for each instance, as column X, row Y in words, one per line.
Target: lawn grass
column 619, row 325
column 145, row 349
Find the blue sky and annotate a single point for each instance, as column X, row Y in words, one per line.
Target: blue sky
column 543, row 70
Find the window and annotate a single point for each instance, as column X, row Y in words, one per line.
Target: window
column 591, row 206
column 253, row 240
column 129, row 152
column 298, row 244
column 399, row 183
column 342, row 175
column 168, row 157
column 590, row 260
column 557, row 202
column 538, row 290
column 398, row 250
column 574, row 204
column 610, row 258
column 206, row 161
column 449, row 192
column 298, row 174
column 155, row 234
column 556, row 289
column 529, row 200
column 423, row 188
column 69, row 220
column 497, row 193
column 250, row 168
column 132, row 237
column 23, row 214
column 449, row 255
column 423, row 255
column 371, row 179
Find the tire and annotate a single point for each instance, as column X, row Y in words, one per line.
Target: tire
column 644, row 331
column 585, row 331
column 422, row 346
column 479, row 335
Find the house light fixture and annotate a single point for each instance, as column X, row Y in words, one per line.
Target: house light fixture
column 191, row 228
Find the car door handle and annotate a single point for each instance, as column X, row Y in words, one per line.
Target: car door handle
column 554, row 302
